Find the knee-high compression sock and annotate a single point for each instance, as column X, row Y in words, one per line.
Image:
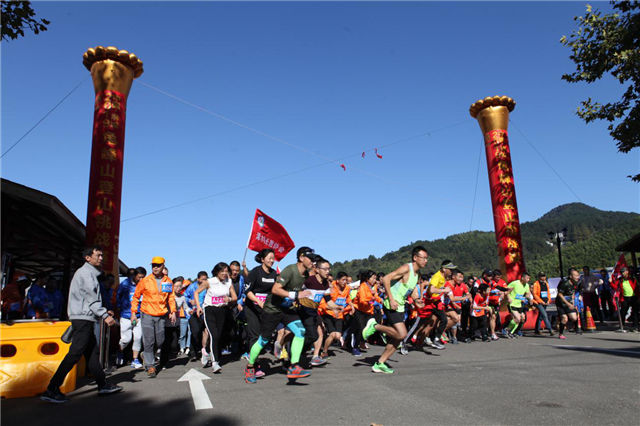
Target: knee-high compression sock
column 520, row 326
column 575, row 325
column 298, row 340
column 513, row 325
column 561, row 327
column 256, row 349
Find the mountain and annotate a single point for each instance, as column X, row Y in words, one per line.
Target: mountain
column 592, row 237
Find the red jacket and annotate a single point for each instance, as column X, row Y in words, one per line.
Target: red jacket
column 632, row 282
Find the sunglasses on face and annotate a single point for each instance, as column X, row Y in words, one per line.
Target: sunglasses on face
column 157, row 265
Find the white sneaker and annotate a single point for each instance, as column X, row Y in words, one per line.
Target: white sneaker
column 187, row 350
column 181, row 352
column 494, row 337
column 205, row 358
column 216, row 367
column 428, row 342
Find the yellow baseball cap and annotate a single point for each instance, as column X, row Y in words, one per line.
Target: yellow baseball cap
column 157, row 260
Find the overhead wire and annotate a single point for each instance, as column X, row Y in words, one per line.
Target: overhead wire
column 544, row 159
column 45, row 116
column 475, row 191
column 328, row 159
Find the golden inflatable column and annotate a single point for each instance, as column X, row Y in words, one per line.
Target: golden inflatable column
column 492, row 114
column 112, row 71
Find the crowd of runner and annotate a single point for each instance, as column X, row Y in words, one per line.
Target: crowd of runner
column 233, row 313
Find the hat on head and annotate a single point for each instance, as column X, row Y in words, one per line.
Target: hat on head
column 447, row 264
column 307, row 252
column 22, row 278
column 157, row 260
column 488, row 272
column 541, row 274
column 624, row 268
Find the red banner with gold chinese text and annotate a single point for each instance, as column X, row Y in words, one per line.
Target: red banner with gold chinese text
column 105, row 181
column 505, row 207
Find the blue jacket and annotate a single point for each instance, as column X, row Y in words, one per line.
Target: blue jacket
column 189, row 293
column 55, row 303
column 126, row 289
column 38, row 299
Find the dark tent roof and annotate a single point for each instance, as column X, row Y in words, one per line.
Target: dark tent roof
column 40, row 232
column 632, row 245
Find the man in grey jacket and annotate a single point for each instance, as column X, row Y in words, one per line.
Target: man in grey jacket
column 84, row 310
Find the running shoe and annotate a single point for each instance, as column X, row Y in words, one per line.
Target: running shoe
column 364, row 346
column 259, row 373
column 381, row 368
column 249, row 375
column 384, row 338
column 414, row 339
column 437, row 344
column 428, row 342
column 520, row 333
column 277, row 350
column 579, row 331
column 136, row 365
column 561, row 337
column 444, row 338
column 404, row 349
column 537, row 332
column 108, row 389
column 296, row 372
column 494, row 337
column 245, row 356
column 55, row 397
column 187, row 351
column 317, row 361
column 635, row 330
column 226, row 351
column 151, row 372
column 204, row 359
column 356, row 352
column 454, row 341
column 369, row 329
column 216, row 368
column 119, row 358
column 505, row 332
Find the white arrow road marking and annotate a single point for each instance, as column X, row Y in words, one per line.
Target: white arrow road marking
column 198, row 393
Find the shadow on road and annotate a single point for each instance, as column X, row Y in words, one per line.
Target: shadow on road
column 632, row 352
column 124, row 407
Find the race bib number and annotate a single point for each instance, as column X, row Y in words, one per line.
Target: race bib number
column 167, row 287
column 520, row 297
column 217, row 300
column 131, row 295
column 341, row 301
column 261, row 297
column 544, row 294
column 14, row 307
column 316, row 295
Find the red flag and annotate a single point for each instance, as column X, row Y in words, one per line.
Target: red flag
column 378, row 155
column 362, row 154
column 343, row 167
column 267, row 233
column 615, row 279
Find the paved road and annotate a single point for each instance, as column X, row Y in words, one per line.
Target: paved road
column 592, row 379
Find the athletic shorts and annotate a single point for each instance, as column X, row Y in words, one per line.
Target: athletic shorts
column 564, row 310
column 394, row 317
column 518, row 309
column 269, row 322
column 333, row 325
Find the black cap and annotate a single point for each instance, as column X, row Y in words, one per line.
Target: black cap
column 541, row 274
column 307, row 252
column 488, row 272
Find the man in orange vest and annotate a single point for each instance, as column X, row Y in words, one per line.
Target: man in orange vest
column 156, row 292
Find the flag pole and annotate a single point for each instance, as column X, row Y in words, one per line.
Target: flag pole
column 248, row 239
column 622, row 330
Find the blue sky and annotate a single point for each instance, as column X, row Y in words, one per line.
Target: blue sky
column 332, row 78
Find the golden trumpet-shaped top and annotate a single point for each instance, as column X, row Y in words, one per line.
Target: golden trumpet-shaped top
column 101, row 53
column 477, row 106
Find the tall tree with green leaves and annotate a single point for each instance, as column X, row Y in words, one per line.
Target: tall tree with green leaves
column 610, row 44
column 17, row 16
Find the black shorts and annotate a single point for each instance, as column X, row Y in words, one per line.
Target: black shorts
column 269, row 322
column 519, row 309
column 394, row 317
column 564, row 310
column 333, row 325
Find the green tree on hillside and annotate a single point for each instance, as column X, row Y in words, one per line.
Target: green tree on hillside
column 608, row 44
